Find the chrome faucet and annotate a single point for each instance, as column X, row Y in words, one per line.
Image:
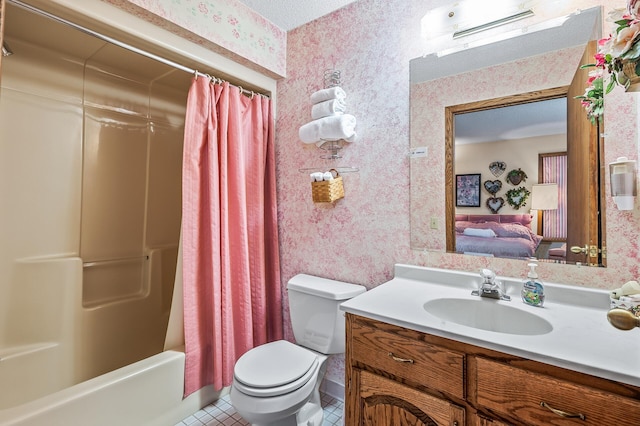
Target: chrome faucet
column 490, row 287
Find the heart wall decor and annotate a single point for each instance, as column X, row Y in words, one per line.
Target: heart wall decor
column 495, row 204
column 497, row 168
column 492, row 186
column 515, row 177
column 517, row 197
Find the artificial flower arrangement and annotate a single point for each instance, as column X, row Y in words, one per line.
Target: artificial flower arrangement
column 618, row 55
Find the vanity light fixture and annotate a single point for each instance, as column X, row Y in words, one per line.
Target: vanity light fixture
column 546, row 25
column 467, row 17
column 498, row 22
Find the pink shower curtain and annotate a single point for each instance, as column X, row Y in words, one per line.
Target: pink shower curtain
column 231, row 269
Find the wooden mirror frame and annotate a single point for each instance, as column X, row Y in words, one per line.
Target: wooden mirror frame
column 449, row 148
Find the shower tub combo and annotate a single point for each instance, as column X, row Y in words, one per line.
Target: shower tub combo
column 91, row 151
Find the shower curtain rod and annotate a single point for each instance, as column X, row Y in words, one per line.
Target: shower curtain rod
column 126, row 46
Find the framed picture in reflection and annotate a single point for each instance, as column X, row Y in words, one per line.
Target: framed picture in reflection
column 468, row 190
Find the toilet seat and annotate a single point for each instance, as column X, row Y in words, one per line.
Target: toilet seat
column 275, row 368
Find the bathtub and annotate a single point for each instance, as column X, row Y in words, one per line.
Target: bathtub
column 146, row 393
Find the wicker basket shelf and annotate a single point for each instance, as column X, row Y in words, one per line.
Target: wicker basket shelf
column 327, row 191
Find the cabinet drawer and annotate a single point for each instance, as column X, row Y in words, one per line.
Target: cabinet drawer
column 417, row 361
column 522, row 396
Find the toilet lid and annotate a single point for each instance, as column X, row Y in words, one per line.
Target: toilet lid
column 274, row 364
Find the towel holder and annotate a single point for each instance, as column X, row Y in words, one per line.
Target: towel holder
column 331, row 147
column 331, row 78
column 343, row 169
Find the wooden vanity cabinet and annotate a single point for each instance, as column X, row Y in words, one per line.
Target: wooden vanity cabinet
column 397, row 376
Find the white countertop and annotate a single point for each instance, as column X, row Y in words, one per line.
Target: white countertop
column 582, row 338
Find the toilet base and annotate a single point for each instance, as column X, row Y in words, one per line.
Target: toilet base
column 310, row 414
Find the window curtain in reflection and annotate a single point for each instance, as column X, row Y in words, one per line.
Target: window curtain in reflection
column 231, row 271
column 554, row 170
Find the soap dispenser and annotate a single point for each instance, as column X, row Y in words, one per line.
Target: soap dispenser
column 532, row 289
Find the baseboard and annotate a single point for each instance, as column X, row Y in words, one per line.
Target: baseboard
column 333, row 389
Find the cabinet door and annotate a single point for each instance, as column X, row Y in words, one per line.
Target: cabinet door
column 583, row 162
column 482, row 421
column 384, row 402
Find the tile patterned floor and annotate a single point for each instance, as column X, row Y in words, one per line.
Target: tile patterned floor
column 222, row 412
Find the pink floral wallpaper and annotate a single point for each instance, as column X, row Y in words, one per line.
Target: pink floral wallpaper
column 361, row 237
column 226, row 26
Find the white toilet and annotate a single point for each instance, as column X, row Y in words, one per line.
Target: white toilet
column 278, row 383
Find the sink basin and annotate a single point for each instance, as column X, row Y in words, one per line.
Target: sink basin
column 488, row 314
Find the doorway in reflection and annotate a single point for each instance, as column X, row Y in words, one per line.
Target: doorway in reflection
column 504, row 144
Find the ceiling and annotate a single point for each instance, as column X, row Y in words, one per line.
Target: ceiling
column 290, row 14
column 529, row 120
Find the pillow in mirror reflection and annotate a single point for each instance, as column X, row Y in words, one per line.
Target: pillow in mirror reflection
column 475, row 232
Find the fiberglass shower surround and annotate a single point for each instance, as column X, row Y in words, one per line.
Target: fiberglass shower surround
column 92, row 206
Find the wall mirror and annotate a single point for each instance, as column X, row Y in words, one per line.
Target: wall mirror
column 519, row 151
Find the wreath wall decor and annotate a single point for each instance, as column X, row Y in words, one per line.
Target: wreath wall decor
column 517, row 197
column 492, row 186
column 497, row 168
column 495, row 204
column 515, row 177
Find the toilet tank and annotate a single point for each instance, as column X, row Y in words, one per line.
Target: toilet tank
column 316, row 318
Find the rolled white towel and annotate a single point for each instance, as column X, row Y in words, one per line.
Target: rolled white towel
column 327, row 108
column 325, row 94
column 351, row 138
column 327, row 176
column 317, row 177
column 633, row 298
column 334, row 127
